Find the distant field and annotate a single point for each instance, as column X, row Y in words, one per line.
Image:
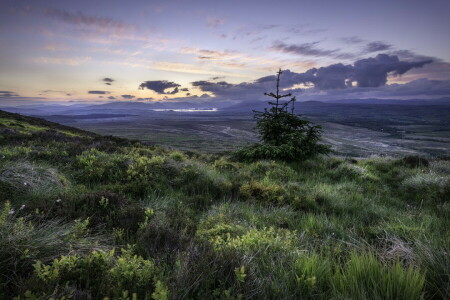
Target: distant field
column 360, row 132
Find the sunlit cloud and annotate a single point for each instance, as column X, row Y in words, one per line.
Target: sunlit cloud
column 56, row 47
column 70, row 61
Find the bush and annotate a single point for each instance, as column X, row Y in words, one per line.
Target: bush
column 267, row 194
column 98, row 275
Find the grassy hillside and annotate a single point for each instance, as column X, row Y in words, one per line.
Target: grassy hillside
column 86, row 216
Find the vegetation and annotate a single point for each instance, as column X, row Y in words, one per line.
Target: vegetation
column 86, row 216
column 285, row 135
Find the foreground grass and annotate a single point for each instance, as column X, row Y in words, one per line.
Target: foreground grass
column 85, row 216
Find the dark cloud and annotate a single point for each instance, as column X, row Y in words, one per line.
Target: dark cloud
column 53, row 91
column 184, row 90
column 372, row 72
column 376, row 46
column 108, row 81
column 307, row 49
column 366, row 73
column 98, row 92
column 127, row 96
column 111, row 97
column 144, row 99
column 310, row 49
column 159, row 86
column 423, row 88
column 8, row 94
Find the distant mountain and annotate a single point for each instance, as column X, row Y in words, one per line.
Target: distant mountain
column 139, row 108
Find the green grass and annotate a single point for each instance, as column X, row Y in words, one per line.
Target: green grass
column 108, row 217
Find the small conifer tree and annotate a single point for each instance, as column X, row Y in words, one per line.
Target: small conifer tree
column 284, row 135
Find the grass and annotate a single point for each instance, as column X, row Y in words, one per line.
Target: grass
column 108, row 217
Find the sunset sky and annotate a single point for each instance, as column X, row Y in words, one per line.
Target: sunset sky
column 88, row 51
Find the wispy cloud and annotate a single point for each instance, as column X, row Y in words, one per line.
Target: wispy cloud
column 352, row 40
column 80, row 19
column 56, row 47
column 209, row 54
column 215, row 22
column 96, row 29
column 70, row 61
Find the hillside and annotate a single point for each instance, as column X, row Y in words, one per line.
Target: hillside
column 86, row 216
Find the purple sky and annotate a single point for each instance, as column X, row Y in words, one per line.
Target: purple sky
column 151, row 50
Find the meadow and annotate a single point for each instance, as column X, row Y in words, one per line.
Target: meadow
column 86, row 216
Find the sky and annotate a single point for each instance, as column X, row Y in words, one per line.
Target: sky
column 97, row 51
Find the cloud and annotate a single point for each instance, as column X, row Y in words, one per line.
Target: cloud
column 209, row 54
column 8, row 94
column 144, row 99
column 74, row 61
column 127, row 96
column 108, row 81
column 376, row 46
column 352, row 40
column 366, row 73
column 99, row 92
column 184, row 90
column 418, row 89
column 159, row 86
column 111, row 97
column 309, row 49
column 215, row 22
column 372, row 72
column 81, row 19
column 97, row 29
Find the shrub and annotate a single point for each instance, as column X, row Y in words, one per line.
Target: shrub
column 99, row 274
column 97, row 166
column 264, row 193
